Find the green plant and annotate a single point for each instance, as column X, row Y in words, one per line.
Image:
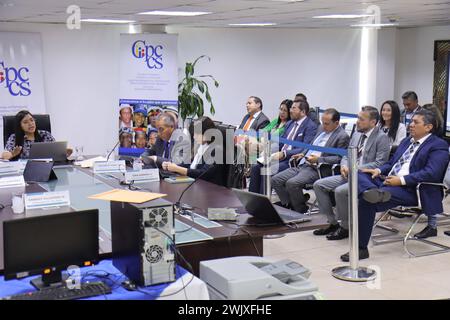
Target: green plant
column 192, row 90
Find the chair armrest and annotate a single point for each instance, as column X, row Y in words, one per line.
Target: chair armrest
column 427, row 184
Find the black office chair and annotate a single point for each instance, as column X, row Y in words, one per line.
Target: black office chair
column 42, row 123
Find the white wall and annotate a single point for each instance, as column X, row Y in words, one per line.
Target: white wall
column 415, row 64
column 81, row 70
column 275, row 64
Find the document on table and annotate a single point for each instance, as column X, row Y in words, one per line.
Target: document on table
column 120, row 195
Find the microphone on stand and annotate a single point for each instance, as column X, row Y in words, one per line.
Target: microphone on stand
column 109, row 154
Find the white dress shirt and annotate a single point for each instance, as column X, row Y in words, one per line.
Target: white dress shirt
column 404, row 171
column 198, row 156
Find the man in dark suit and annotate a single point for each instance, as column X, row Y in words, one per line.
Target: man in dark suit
column 289, row 183
column 422, row 158
column 301, row 129
column 373, row 151
column 255, row 119
column 411, row 104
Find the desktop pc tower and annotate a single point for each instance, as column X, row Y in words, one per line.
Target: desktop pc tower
column 143, row 241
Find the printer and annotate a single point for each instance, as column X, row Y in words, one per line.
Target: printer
column 257, row 278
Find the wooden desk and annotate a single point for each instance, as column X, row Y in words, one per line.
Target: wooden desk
column 228, row 240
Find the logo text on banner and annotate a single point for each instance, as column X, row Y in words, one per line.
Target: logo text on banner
column 151, row 53
column 46, row 199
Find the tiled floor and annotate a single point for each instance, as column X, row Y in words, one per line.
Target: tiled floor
column 399, row 277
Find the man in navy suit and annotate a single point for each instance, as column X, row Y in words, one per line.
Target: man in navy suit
column 301, row 129
column 422, row 157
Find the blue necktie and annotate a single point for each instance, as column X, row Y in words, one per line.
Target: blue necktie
column 404, row 158
column 167, row 150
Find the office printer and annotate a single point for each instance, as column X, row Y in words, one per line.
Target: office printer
column 251, row 278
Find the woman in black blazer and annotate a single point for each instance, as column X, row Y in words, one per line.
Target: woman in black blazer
column 204, row 163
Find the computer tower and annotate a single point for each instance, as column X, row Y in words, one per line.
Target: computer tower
column 143, row 238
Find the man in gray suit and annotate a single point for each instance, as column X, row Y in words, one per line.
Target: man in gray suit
column 171, row 145
column 289, row 183
column 373, row 151
column 255, row 119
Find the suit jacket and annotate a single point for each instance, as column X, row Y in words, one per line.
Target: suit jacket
column 305, row 133
column 180, row 148
column 376, row 151
column 338, row 139
column 428, row 164
column 259, row 123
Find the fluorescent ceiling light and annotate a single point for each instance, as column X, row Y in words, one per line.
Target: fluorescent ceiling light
column 343, row 16
column 175, row 13
column 251, row 24
column 107, row 21
column 374, row 25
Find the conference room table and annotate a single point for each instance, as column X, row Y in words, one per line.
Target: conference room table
column 225, row 239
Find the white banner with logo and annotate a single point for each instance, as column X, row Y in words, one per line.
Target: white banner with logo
column 148, row 85
column 21, row 74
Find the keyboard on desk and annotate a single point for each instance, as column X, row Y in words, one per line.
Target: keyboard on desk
column 63, row 293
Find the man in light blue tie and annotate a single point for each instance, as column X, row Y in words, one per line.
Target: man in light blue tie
column 289, row 184
column 421, row 158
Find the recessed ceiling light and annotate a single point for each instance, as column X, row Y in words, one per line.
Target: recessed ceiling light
column 251, row 24
column 175, row 13
column 343, row 16
column 107, row 21
column 374, row 25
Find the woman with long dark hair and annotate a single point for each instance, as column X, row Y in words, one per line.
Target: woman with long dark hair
column 277, row 125
column 25, row 133
column 390, row 122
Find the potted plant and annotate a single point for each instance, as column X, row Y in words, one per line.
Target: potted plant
column 192, row 91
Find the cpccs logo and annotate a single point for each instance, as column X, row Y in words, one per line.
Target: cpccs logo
column 151, row 54
column 16, row 80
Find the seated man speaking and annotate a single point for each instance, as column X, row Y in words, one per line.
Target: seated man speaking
column 422, row 157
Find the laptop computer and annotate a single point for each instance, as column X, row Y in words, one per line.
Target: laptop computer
column 44, row 150
column 260, row 207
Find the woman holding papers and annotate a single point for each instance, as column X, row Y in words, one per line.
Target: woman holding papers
column 208, row 155
column 19, row 143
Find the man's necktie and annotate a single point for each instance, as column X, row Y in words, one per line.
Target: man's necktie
column 247, row 124
column 167, row 150
column 361, row 145
column 290, row 136
column 404, row 158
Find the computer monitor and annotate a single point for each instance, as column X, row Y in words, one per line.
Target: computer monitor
column 49, row 244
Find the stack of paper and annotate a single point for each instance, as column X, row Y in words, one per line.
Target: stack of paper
column 121, row 195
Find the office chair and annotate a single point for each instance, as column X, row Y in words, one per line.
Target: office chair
column 379, row 239
column 42, row 123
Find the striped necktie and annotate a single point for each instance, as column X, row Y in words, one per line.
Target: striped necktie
column 361, row 145
column 290, row 136
column 403, row 159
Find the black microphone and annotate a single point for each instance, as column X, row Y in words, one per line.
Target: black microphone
column 183, row 206
column 109, row 154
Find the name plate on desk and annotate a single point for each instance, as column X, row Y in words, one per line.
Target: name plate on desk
column 146, row 175
column 46, row 199
column 109, row 166
column 12, row 168
column 12, row 181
